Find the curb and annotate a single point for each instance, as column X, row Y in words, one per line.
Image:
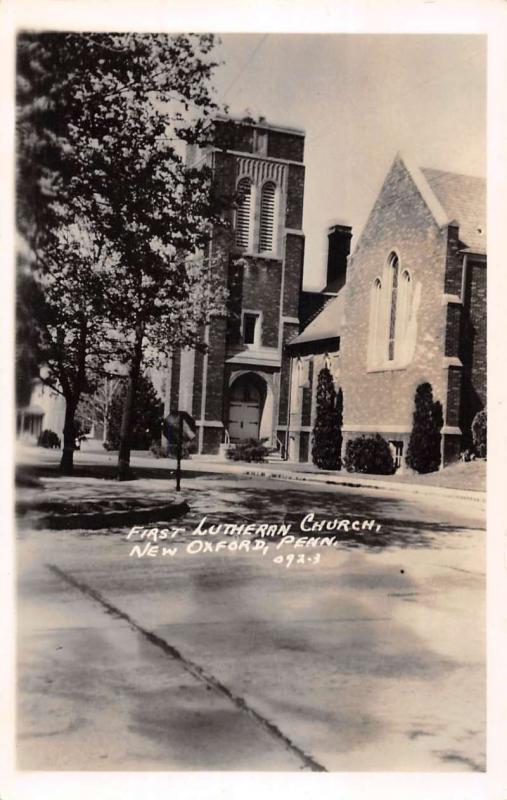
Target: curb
column 225, row 468
column 408, row 488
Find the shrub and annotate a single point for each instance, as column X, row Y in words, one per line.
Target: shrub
column 109, row 446
column 369, row 454
column 327, row 432
column 248, row 450
column 423, row 452
column 480, row 433
column 49, row 439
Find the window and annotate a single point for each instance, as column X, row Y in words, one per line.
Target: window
column 404, row 306
column 391, row 301
column 396, row 449
column 251, row 328
column 243, row 213
column 267, row 217
column 394, row 268
column 376, row 332
column 260, row 142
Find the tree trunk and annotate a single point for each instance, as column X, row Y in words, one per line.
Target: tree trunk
column 67, row 460
column 124, row 471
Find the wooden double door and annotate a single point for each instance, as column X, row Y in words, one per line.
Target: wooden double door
column 244, row 409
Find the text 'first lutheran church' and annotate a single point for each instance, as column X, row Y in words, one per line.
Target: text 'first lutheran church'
column 408, row 306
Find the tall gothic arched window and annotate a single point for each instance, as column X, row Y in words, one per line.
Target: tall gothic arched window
column 404, row 306
column 243, row 213
column 391, row 302
column 394, row 266
column 267, row 217
column 376, row 337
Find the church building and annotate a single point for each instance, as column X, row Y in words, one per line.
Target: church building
column 412, row 309
column 239, row 388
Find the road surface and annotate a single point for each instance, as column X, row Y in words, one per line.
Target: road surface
column 370, row 657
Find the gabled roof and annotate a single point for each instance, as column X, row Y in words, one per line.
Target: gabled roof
column 452, row 197
column 327, row 324
column 463, row 198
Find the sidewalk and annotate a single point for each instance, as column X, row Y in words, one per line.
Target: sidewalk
column 457, row 474
column 290, row 471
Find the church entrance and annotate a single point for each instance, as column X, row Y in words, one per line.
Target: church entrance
column 245, row 406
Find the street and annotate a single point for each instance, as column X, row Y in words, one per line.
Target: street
column 369, row 657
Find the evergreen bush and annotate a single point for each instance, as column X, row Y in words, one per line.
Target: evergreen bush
column 148, row 416
column 423, row 452
column 369, row 454
column 480, row 433
column 49, row 439
column 327, row 431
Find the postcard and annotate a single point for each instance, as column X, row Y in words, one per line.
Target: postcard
column 252, row 382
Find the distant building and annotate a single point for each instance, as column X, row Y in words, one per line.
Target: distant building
column 46, row 411
column 413, row 309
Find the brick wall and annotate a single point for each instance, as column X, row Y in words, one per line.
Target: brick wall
column 279, row 144
column 294, row 255
column 196, row 399
column 256, row 285
column 295, row 194
column 453, row 396
column 453, row 263
column 289, row 331
column 286, row 145
column 400, row 220
column 306, row 403
column 474, row 346
column 453, row 332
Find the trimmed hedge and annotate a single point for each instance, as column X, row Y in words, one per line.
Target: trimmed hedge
column 248, row 450
column 49, row 439
column 369, row 454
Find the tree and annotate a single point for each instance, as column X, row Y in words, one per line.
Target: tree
column 327, row 432
column 102, row 126
column 93, row 409
column 64, row 294
column 147, row 425
column 423, row 452
column 28, row 342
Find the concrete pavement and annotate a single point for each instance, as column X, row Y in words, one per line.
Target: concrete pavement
column 372, row 659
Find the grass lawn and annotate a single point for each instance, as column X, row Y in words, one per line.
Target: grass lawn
column 469, row 475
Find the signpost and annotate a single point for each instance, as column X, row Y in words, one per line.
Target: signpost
column 179, row 427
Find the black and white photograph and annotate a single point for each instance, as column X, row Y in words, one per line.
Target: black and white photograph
column 250, row 401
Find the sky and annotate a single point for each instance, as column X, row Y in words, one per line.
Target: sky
column 361, row 99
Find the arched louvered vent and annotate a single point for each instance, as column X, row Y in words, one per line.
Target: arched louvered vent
column 267, row 217
column 243, row 213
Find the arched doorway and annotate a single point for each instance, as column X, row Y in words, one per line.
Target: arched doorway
column 246, row 400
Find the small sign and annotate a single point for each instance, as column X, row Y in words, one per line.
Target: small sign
column 172, row 426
